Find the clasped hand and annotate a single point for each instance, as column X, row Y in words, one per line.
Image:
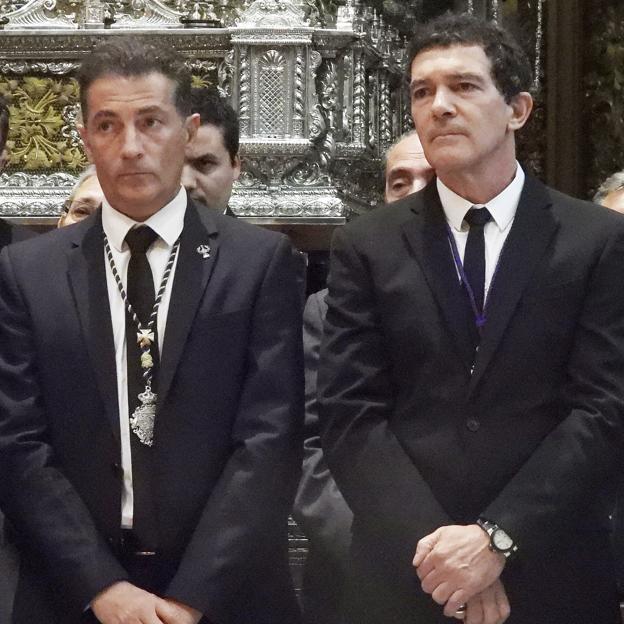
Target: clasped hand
column 456, row 566
column 124, row 603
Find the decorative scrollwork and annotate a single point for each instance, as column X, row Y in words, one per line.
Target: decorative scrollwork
column 36, row 138
column 299, row 103
column 264, row 13
column 23, row 67
column 359, row 98
column 271, row 80
column 385, row 113
column 224, row 74
column 244, row 87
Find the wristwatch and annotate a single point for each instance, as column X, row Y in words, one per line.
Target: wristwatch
column 500, row 542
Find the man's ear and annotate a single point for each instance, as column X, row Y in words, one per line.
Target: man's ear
column 236, row 168
column 521, row 106
column 84, row 135
column 4, row 156
column 191, row 124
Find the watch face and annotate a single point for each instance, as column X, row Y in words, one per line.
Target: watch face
column 501, row 541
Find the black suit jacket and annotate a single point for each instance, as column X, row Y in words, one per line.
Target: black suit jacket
column 531, row 439
column 320, row 509
column 13, row 233
column 227, row 434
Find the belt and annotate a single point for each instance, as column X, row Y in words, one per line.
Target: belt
column 130, row 545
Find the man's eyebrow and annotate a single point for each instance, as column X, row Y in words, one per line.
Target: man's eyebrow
column 206, row 156
column 146, row 110
column 398, row 171
column 104, row 114
column 467, row 76
column 456, row 76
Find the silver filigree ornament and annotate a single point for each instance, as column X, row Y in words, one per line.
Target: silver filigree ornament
column 143, row 417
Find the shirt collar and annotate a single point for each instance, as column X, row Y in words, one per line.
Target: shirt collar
column 502, row 207
column 167, row 222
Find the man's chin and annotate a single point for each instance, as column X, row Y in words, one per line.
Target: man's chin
column 198, row 198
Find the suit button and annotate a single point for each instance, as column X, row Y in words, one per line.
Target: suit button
column 117, row 470
column 473, row 424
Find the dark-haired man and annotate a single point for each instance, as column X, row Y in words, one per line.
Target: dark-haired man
column 471, row 377
column 151, row 398
column 8, row 233
column 212, row 161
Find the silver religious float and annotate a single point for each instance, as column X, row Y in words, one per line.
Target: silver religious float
column 318, row 96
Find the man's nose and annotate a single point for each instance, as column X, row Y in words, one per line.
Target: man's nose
column 132, row 145
column 443, row 104
column 188, row 178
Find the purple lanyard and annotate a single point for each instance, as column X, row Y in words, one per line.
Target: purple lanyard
column 480, row 316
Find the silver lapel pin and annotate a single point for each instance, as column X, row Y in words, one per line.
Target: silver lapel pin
column 204, row 251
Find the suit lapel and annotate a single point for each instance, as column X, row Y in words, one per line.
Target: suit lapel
column 87, row 279
column 428, row 238
column 191, row 276
column 532, row 229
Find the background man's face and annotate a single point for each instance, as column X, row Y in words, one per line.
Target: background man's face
column 209, row 173
column 85, row 201
column 615, row 201
column 136, row 138
column 407, row 169
column 460, row 115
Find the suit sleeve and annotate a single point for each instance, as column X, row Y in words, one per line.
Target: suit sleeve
column 583, row 452
column 319, row 507
column 246, row 514
column 36, row 496
column 376, row 476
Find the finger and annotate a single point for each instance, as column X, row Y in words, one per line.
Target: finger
column 474, row 611
column 460, row 614
column 427, row 565
column 432, row 581
column 441, row 593
column 423, row 548
column 151, row 618
column 491, row 613
column 168, row 612
column 500, row 595
column 457, row 599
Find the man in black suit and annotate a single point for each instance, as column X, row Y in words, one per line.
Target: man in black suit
column 212, row 161
column 319, row 507
column 475, row 441
column 149, row 479
column 8, row 233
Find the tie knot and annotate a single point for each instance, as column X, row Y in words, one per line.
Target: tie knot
column 478, row 217
column 139, row 239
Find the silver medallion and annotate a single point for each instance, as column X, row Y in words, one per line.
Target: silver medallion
column 142, row 419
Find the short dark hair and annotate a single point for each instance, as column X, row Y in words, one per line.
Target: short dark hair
column 125, row 56
column 214, row 110
column 4, row 123
column 511, row 70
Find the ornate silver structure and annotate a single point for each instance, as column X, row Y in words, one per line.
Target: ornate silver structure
column 317, row 105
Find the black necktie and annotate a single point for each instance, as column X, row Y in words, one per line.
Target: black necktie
column 474, row 256
column 140, row 291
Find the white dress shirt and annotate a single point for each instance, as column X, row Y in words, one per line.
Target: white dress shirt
column 167, row 223
column 503, row 210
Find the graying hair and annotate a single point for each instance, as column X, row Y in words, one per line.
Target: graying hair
column 87, row 173
column 613, row 183
column 384, row 158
